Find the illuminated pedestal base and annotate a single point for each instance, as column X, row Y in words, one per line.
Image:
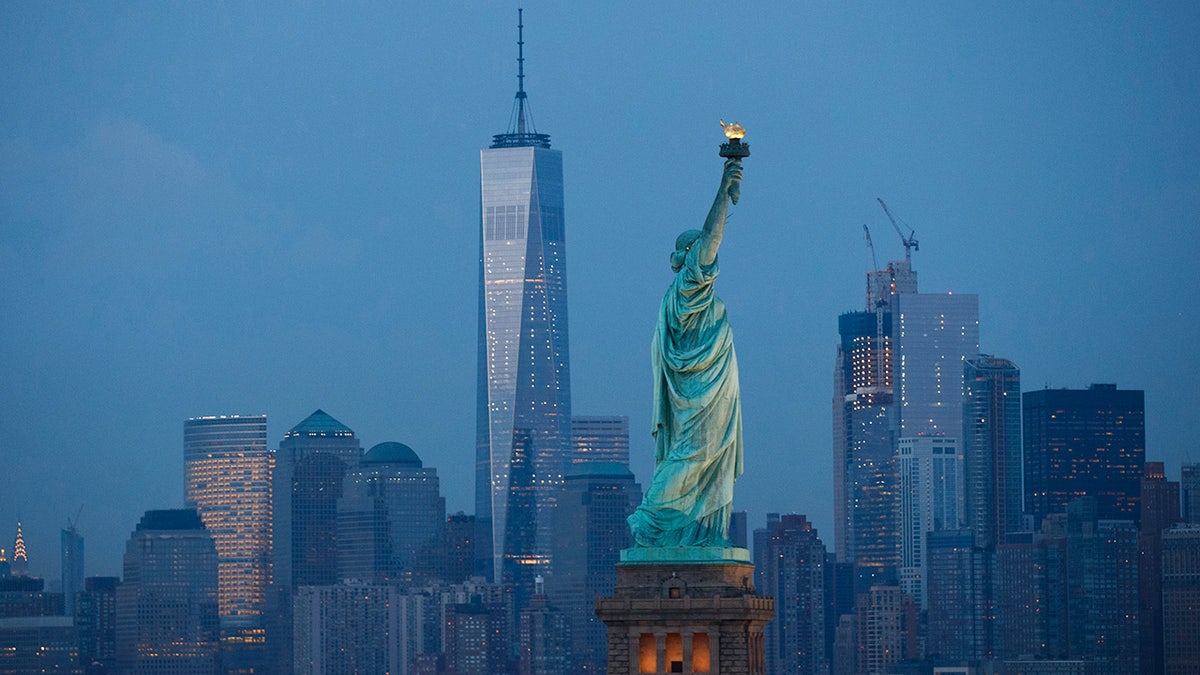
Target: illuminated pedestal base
column 685, row 617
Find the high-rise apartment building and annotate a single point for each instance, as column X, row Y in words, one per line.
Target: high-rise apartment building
column 391, row 519
column 523, row 420
column 310, row 468
column 72, row 565
column 227, row 479
column 885, row 629
column 791, row 568
column 991, row 448
column 1084, row 442
column 600, row 439
column 167, row 617
column 931, row 498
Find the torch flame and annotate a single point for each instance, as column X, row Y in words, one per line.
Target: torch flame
column 733, row 130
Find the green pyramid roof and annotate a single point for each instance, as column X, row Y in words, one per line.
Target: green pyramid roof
column 320, row 423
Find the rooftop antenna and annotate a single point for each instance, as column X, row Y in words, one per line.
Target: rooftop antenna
column 521, row 129
column 520, row 70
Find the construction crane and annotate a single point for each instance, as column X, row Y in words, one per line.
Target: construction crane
column 910, row 242
column 871, row 248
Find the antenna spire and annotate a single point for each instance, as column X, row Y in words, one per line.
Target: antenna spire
column 520, row 70
column 521, row 131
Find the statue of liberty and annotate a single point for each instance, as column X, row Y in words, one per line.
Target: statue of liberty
column 697, row 420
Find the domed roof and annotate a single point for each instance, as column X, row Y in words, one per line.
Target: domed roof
column 391, row 452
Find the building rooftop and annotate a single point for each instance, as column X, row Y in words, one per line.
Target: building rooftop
column 320, row 423
column 391, row 452
column 171, row 519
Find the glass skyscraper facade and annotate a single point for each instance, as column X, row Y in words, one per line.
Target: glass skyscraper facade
column 227, row 478
column 167, row 603
column 992, row 448
column 523, row 421
column 1084, row 442
column 391, row 519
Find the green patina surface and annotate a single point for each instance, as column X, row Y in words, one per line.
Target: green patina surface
column 685, row 554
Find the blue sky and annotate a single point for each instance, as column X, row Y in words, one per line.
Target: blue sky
column 220, row 208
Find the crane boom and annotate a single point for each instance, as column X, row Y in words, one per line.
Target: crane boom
column 871, row 248
column 910, row 242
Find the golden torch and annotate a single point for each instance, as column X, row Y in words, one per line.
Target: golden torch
column 735, row 147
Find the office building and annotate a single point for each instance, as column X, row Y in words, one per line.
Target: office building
column 791, row 569
column 1159, row 511
column 1180, row 598
column 935, row 333
column 866, row 495
column 167, row 607
column 600, row 439
column 1189, row 492
column 589, row 534
column 959, row 593
column 1083, row 442
column 38, row 644
column 227, row 479
column 991, row 448
column 310, row 469
column 356, row 627
column 931, row 500
column 72, row 565
column 391, row 519
column 96, row 621
column 460, row 548
column 523, row 418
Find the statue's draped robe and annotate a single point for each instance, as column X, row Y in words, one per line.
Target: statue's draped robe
column 697, row 422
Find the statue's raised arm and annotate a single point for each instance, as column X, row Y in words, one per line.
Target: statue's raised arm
column 714, row 225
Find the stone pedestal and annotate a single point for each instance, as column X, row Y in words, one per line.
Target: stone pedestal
column 685, row 616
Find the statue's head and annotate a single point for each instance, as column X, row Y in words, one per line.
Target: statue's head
column 683, row 244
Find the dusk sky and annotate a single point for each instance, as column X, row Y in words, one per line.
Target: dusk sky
column 253, row 207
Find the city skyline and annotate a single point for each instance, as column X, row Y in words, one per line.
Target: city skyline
column 194, row 220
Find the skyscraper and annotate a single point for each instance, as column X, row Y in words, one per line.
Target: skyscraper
column 1159, row 511
column 167, row 618
column 1084, row 442
column 19, row 566
column 72, row 566
column 1189, row 491
column 791, row 568
column 523, row 420
column 589, row 534
column 391, row 519
column 310, row 468
column 1180, row 597
column 227, row 479
column 931, row 497
column 992, row 448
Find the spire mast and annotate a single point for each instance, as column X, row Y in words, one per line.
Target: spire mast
column 521, row 129
column 520, row 71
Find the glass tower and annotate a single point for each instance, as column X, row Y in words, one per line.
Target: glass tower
column 523, row 421
column 992, row 448
column 227, row 478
